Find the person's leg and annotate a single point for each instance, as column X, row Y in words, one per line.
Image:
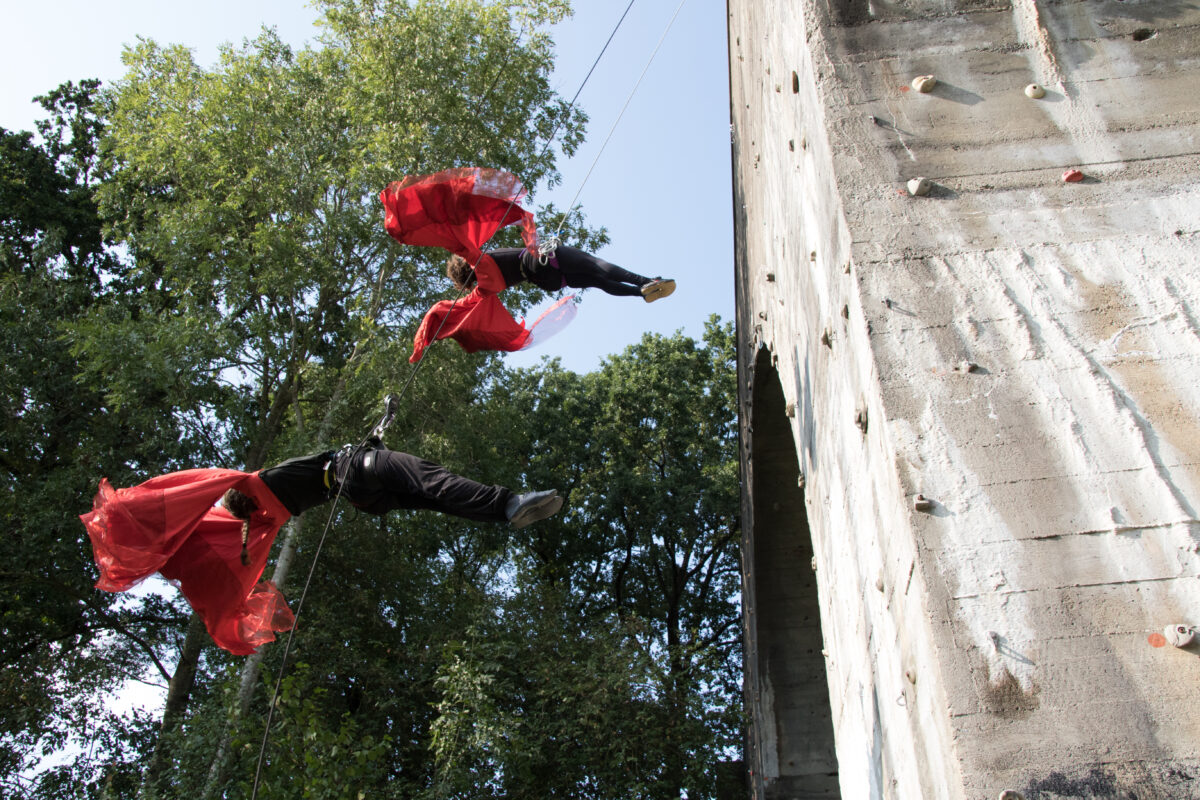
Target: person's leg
column 405, row 481
column 585, row 271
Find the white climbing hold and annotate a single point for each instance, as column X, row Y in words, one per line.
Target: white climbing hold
column 919, row 187
column 924, row 83
column 1179, row 635
column 1035, row 91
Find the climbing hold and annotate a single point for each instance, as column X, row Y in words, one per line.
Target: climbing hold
column 800, row 481
column 922, row 503
column 812, row 255
column 792, row 145
column 1035, row 91
column 911, row 674
column 879, row 582
column 887, row 302
column 1179, row 635
column 827, row 338
column 762, row 315
column 813, row 563
column 924, row 83
column 860, row 418
column 919, row 187
column 966, row 366
column 790, row 410
column 1072, row 176
column 845, row 312
column 846, row 268
column 1009, row 794
column 770, row 277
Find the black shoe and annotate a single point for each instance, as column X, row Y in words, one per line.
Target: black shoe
column 525, row 509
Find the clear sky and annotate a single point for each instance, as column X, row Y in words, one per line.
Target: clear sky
column 661, row 185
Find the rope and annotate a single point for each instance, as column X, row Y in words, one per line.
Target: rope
column 616, row 122
column 392, row 403
column 391, row 406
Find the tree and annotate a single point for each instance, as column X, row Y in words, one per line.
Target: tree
column 247, row 195
column 64, row 644
column 613, row 669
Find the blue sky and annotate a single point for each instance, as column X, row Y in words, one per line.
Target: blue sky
column 661, row 185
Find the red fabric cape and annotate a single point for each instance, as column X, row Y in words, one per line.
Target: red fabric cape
column 478, row 321
column 459, row 210
column 170, row 525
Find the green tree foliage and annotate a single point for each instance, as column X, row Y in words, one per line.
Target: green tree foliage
column 614, row 669
column 257, row 312
column 261, row 312
column 63, row 644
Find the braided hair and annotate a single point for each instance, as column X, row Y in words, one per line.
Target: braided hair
column 241, row 506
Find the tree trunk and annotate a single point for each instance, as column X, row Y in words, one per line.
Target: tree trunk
column 218, row 772
column 178, row 692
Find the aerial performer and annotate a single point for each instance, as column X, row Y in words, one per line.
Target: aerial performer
column 216, row 554
column 459, row 210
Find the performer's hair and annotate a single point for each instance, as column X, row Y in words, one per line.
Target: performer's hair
column 460, row 272
column 241, row 506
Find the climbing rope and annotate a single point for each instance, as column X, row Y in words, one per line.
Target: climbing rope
column 391, row 406
column 617, row 121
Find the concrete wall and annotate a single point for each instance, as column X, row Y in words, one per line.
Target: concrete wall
column 1024, row 352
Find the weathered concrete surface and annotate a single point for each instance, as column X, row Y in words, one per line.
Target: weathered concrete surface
column 1002, row 639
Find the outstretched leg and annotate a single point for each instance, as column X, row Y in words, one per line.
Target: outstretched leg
column 585, row 271
column 382, row 480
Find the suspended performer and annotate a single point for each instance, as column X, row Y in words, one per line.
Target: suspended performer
column 564, row 267
column 216, row 554
column 459, row 210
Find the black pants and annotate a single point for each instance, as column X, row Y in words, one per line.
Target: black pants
column 583, row 270
column 378, row 481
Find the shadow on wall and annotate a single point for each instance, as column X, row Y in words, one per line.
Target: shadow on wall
column 793, row 740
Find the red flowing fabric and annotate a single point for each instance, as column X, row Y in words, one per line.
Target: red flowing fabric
column 478, row 321
column 171, row 525
column 458, row 209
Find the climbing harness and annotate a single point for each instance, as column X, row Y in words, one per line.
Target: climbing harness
column 546, row 249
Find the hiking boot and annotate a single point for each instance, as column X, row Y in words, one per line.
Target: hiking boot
column 525, row 509
column 658, row 289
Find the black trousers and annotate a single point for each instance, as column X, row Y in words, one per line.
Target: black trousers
column 378, row 481
column 582, row 270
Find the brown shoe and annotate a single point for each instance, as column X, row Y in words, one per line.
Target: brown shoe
column 658, row 289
